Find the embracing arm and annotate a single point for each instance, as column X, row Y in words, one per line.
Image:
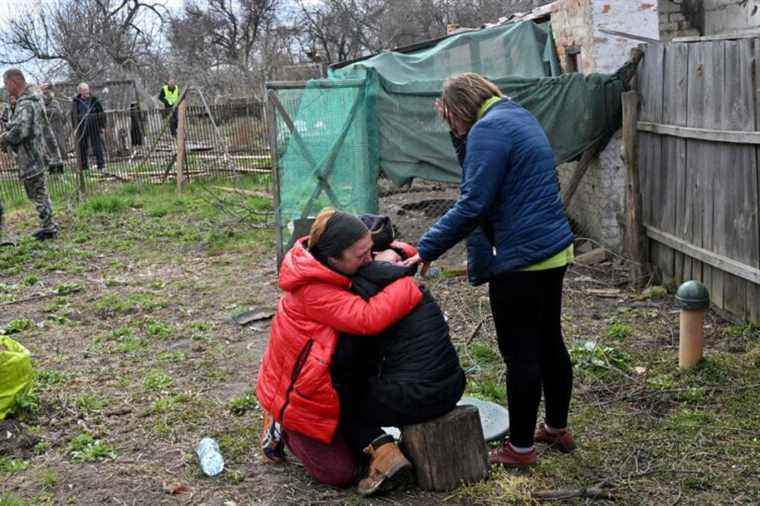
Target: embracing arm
column 484, row 168
column 349, row 313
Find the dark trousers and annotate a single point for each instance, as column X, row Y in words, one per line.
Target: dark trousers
column 90, row 135
column 173, row 120
column 526, row 307
column 362, row 410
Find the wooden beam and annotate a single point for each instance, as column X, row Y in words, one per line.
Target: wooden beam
column 711, row 258
column 181, row 137
column 634, row 230
column 724, row 36
column 702, row 134
column 631, row 36
column 580, row 171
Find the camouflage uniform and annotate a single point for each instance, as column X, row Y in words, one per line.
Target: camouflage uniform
column 24, row 135
column 52, row 144
column 5, row 117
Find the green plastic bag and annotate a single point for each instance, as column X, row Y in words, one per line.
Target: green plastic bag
column 15, row 373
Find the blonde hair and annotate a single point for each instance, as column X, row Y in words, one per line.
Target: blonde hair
column 319, row 226
column 464, row 94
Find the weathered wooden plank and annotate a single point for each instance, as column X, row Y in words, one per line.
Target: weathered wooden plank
column 703, row 134
column 753, row 292
column 651, row 82
column 724, row 263
column 634, row 236
column 661, row 213
column 738, row 232
column 708, row 114
column 647, row 141
column 674, row 201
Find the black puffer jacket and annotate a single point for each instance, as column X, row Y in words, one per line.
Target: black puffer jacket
column 418, row 369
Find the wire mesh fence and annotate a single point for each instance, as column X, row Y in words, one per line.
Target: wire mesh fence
column 223, row 141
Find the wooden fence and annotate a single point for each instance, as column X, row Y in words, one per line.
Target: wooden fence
column 698, row 154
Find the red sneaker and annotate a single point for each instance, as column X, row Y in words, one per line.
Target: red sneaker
column 561, row 440
column 507, row 456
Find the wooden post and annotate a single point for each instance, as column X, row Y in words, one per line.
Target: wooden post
column 448, row 451
column 580, row 170
column 271, row 110
column 180, row 165
column 634, row 230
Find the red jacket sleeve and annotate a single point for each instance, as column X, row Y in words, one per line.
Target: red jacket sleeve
column 407, row 249
column 347, row 312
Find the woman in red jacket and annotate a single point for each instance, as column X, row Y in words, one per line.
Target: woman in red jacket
column 294, row 383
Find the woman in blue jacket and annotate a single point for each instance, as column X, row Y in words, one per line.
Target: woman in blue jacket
column 520, row 242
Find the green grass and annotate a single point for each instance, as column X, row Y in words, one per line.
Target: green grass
column 90, row 403
column 49, row 479
column 11, row 466
column 7, row 499
column 16, row 326
column 619, row 331
column 242, row 404
column 85, row 448
column 156, row 381
column 159, row 329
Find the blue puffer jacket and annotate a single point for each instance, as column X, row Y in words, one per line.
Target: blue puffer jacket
column 509, row 203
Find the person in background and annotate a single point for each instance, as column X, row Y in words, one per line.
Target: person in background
column 169, row 96
column 24, row 137
column 89, row 123
column 520, row 242
column 54, row 141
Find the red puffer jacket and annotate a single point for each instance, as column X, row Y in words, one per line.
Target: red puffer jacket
column 294, row 383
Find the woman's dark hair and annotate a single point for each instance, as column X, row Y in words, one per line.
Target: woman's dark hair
column 333, row 232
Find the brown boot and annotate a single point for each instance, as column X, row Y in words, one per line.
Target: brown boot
column 387, row 467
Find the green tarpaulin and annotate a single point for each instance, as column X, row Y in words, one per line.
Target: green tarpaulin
column 377, row 114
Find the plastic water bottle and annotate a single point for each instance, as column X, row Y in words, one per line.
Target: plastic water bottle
column 210, row 457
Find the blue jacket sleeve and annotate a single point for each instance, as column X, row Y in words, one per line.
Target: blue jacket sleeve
column 484, row 169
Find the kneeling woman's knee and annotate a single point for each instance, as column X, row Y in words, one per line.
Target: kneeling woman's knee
column 337, row 473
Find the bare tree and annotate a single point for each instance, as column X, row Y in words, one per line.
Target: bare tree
column 339, row 30
column 88, row 38
column 223, row 44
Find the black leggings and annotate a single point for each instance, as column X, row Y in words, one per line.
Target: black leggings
column 526, row 307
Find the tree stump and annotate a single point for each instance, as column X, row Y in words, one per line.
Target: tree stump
column 448, row 451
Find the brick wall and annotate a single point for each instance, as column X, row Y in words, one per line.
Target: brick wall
column 598, row 207
column 677, row 19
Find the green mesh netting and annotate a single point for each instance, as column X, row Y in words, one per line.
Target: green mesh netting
column 377, row 115
column 328, row 159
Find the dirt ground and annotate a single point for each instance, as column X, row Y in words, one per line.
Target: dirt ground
column 128, row 318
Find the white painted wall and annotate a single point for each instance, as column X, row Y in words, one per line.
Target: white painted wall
column 638, row 17
column 726, row 16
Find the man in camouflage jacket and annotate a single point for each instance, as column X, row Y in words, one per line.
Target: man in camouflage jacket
column 24, row 137
column 53, row 136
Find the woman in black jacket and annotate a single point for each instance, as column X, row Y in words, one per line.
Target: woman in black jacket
column 409, row 374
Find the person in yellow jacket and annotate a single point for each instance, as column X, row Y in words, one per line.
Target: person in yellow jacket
column 169, row 96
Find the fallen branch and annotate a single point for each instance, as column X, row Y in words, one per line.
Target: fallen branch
column 29, row 299
column 586, row 492
column 475, row 331
column 119, row 411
